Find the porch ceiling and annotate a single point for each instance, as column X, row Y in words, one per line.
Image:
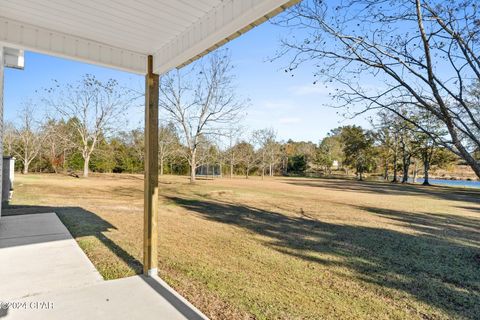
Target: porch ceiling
column 122, row 33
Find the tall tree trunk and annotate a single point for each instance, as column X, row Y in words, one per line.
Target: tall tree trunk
column 270, row 170
column 395, row 168
column 64, row 161
column 415, row 172
column 426, row 169
column 161, row 166
column 231, row 170
column 193, row 165
column 406, row 168
column 385, row 173
column 86, row 162
column 25, row 167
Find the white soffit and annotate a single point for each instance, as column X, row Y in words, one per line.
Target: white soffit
column 122, row 33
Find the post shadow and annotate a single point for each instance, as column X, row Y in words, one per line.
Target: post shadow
column 81, row 223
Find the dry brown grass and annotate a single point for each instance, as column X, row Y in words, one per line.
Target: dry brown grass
column 288, row 248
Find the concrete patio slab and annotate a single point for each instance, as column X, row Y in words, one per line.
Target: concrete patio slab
column 45, row 275
column 135, row 297
column 38, row 255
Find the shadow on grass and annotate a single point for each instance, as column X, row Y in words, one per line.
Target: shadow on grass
column 454, row 227
column 439, row 266
column 384, row 188
column 80, row 223
column 470, row 208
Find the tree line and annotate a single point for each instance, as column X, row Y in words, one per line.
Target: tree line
column 419, row 58
column 393, row 149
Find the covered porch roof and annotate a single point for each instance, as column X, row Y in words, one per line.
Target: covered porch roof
column 122, row 33
column 142, row 36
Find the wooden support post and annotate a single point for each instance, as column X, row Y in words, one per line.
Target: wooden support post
column 150, row 237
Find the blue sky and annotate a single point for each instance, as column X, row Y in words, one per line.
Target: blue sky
column 293, row 106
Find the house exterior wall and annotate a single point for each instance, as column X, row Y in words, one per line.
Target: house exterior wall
column 1, row 120
column 7, row 181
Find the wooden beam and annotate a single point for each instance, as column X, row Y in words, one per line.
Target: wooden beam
column 150, row 237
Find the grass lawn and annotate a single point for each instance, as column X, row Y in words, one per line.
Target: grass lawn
column 283, row 248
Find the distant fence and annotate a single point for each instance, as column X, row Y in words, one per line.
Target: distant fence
column 209, row 170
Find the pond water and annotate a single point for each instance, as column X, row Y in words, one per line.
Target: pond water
column 453, row 183
column 442, row 182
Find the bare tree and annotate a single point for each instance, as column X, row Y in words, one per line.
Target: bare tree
column 233, row 155
column 28, row 136
column 9, row 136
column 200, row 105
column 94, row 107
column 419, row 54
column 58, row 142
column 136, row 140
column 269, row 149
column 168, row 143
column 248, row 156
column 209, row 157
